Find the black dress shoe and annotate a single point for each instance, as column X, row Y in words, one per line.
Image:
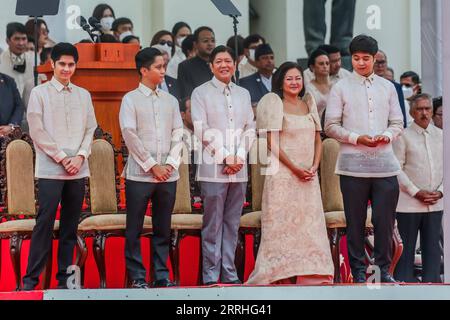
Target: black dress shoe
column 163, row 283
column 360, row 278
column 27, row 288
column 387, row 278
column 233, row 282
column 139, row 284
column 210, row 283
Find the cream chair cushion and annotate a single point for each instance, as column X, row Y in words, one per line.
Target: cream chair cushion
column 251, row 220
column 26, row 225
column 20, row 178
column 105, row 222
column 336, row 219
column 190, row 221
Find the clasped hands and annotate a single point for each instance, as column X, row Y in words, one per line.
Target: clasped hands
column 162, row 172
column 233, row 164
column 427, row 197
column 72, row 165
column 373, row 142
column 306, row 174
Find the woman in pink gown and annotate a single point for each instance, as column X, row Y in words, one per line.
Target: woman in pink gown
column 294, row 245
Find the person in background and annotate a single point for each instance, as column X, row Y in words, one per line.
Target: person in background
column 181, row 30
column 437, row 112
column 188, row 47
column 131, row 40
column 16, row 61
column 260, row 83
column 248, row 64
column 122, row 27
column 411, row 85
column 336, row 71
column 104, row 13
column 166, row 39
column 30, row 44
column 420, row 206
column 44, row 40
column 380, row 68
column 109, row 38
column 320, row 86
column 12, row 108
column 231, row 43
column 390, row 74
column 364, row 115
column 196, row 71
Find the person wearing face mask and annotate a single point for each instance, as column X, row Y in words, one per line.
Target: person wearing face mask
column 180, row 31
column 105, row 14
column 380, row 69
column 122, row 28
column 420, row 206
column 16, row 62
column 410, row 82
column 165, row 39
column 291, row 200
column 248, row 66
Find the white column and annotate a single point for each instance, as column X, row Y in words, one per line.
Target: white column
column 445, row 8
column 431, row 32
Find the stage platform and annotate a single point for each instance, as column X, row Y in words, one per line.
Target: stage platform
column 243, row 293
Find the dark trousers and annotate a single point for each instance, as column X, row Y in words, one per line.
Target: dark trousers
column 383, row 193
column 50, row 193
column 429, row 224
column 343, row 16
column 138, row 195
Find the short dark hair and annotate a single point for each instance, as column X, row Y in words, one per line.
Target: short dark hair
column 253, row 38
column 279, row 75
column 414, row 76
column 108, row 38
column 127, row 39
column 188, row 44
column 100, row 9
column 200, row 29
column 15, row 27
column 314, row 55
column 221, row 49
column 120, row 21
column 364, row 43
column 146, row 57
column 64, row 49
column 44, row 53
column 437, row 103
column 178, row 26
column 329, row 49
column 159, row 35
column 232, row 44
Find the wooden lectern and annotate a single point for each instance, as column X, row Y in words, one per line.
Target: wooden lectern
column 108, row 72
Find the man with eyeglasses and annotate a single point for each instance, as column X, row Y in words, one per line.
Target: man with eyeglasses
column 194, row 72
column 437, row 112
column 380, row 69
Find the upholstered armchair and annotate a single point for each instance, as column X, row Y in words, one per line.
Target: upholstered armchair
column 17, row 164
column 104, row 219
column 334, row 211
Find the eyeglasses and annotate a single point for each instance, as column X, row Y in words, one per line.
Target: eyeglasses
column 164, row 42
